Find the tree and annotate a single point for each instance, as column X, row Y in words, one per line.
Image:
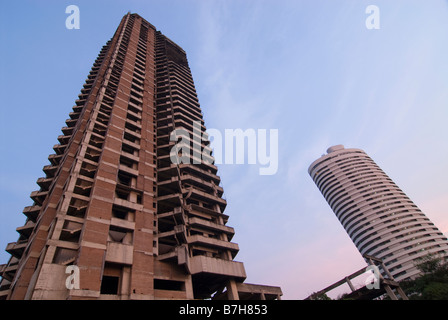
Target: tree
column 320, row 296
column 432, row 284
column 429, row 263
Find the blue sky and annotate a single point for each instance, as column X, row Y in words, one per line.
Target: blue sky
column 310, row 69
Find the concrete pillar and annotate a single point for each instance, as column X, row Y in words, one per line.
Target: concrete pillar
column 390, row 292
column 402, row 294
column 350, row 284
column 232, row 290
column 125, row 282
column 189, row 288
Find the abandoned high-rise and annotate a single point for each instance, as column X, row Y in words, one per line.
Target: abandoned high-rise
column 113, row 205
column 378, row 216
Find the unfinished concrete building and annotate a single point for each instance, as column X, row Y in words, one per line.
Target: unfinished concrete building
column 115, row 218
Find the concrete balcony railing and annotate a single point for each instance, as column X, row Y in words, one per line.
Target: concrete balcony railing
column 200, row 182
column 70, row 122
column 206, row 196
column 211, row 242
column 16, row 248
column 31, row 212
column 67, row 130
column 203, row 264
column 26, row 229
column 38, row 196
column 64, row 139
column 44, row 182
column 198, row 210
column 211, row 225
column 55, row 159
column 119, row 253
column 128, row 204
column 50, row 170
column 9, row 271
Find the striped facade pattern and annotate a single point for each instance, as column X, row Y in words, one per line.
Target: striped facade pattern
column 378, row 216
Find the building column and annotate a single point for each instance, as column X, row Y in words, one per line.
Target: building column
column 232, row 290
column 189, row 288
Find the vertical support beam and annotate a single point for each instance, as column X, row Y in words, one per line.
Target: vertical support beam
column 350, row 284
column 189, row 288
column 387, row 271
column 390, row 292
column 232, row 290
column 401, row 293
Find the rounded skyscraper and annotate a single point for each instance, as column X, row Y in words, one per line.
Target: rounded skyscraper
column 377, row 215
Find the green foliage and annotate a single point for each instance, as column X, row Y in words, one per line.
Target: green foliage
column 433, row 284
column 429, row 263
column 322, row 296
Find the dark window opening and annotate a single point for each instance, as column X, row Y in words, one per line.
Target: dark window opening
column 109, row 285
column 124, row 178
column 169, row 285
column 120, row 213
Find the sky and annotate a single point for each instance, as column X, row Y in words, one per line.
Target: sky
column 310, row 69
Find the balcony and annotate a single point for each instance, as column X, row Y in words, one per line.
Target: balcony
column 179, row 231
column 78, row 207
column 128, row 204
column 83, row 187
column 174, row 199
column 44, row 183
column 9, row 269
column 50, row 170
column 211, row 242
column 38, row 196
column 88, row 170
column 74, row 115
column 67, row 131
column 93, row 154
column 200, row 211
column 201, row 183
column 26, row 229
column 203, row 264
column 31, row 212
column 204, row 196
column 127, row 169
column 164, row 156
column 64, row 139
column 212, row 226
column 55, row 159
column 80, row 102
column 16, row 249
column 60, row 149
column 71, row 122
column 77, row 108
column 119, row 253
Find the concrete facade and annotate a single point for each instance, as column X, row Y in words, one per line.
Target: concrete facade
column 379, row 218
column 113, row 204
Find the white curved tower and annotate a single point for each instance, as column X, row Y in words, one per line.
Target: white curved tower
column 379, row 218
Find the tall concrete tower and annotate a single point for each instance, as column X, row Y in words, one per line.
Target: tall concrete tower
column 379, row 218
column 115, row 217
